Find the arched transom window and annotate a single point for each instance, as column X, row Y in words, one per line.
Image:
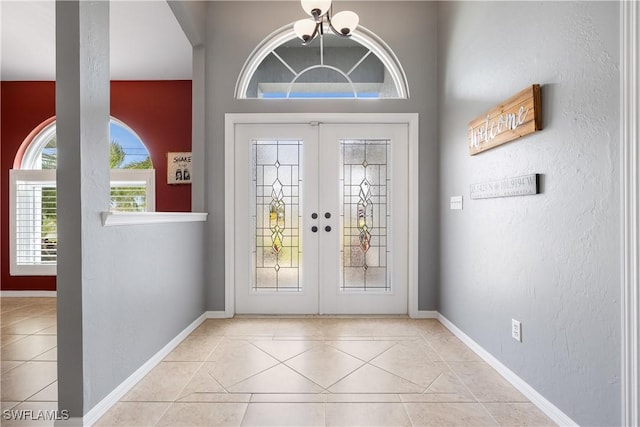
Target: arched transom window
column 33, row 198
column 361, row 66
column 126, row 149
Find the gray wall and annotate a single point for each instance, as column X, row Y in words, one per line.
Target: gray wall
column 550, row 260
column 123, row 292
column 233, row 31
column 137, row 303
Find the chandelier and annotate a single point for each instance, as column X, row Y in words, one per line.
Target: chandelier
column 341, row 24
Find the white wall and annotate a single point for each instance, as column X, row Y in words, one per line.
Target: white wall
column 235, row 28
column 550, row 260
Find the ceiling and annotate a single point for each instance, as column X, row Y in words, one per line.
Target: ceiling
column 147, row 43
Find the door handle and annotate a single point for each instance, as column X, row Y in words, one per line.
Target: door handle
column 314, row 229
column 327, row 228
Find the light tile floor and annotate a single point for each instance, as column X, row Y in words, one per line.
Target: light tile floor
column 28, row 354
column 323, row 371
column 311, row 371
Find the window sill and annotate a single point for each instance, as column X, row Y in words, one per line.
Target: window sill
column 110, row 219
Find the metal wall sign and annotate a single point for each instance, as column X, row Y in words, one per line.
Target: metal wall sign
column 517, row 186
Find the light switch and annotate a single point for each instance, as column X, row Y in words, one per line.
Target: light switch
column 455, row 203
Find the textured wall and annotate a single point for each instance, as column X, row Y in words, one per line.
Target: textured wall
column 137, row 304
column 123, row 292
column 158, row 111
column 414, row 42
column 550, row 260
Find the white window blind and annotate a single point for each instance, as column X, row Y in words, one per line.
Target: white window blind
column 132, row 190
column 33, row 230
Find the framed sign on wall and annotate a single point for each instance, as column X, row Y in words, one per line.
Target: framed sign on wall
column 179, row 168
column 516, row 186
column 518, row 116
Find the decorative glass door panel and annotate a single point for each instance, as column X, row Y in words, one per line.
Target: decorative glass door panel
column 276, row 176
column 321, row 217
column 364, row 192
column 277, row 240
column 365, row 183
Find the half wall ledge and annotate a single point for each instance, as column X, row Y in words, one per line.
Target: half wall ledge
column 110, row 219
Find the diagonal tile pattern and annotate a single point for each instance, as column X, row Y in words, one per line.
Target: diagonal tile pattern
column 284, row 350
column 370, row 379
column 203, row 382
column 324, row 365
column 309, row 371
column 236, row 360
column 363, row 350
column 279, row 379
column 410, row 361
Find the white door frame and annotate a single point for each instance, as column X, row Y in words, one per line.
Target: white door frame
column 232, row 119
column 630, row 209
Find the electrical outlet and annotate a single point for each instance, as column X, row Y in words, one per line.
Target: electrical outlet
column 516, row 330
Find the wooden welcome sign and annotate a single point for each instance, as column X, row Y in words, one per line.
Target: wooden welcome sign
column 518, row 116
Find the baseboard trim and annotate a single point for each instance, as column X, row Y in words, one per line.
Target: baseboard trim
column 217, row 315
column 70, row 422
column 536, row 398
column 28, row 294
column 112, row 398
column 530, row 393
column 425, row 314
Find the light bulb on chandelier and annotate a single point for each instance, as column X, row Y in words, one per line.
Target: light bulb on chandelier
column 342, row 24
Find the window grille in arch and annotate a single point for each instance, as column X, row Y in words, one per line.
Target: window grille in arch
column 127, row 151
column 33, row 194
column 361, row 66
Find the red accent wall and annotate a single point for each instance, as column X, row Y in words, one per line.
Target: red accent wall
column 158, row 111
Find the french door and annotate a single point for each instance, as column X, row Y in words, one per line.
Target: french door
column 321, row 218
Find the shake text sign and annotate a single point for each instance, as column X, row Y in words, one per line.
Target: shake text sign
column 518, row 116
column 179, row 168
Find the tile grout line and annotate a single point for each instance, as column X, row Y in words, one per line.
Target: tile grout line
column 319, row 385
column 28, row 317
column 446, row 362
column 366, row 361
column 188, row 381
column 257, row 373
column 404, row 407
column 39, row 391
column 422, row 339
column 324, row 410
column 477, row 401
column 246, row 410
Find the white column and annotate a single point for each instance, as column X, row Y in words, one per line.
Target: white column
column 198, row 125
column 630, row 131
column 82, row 110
